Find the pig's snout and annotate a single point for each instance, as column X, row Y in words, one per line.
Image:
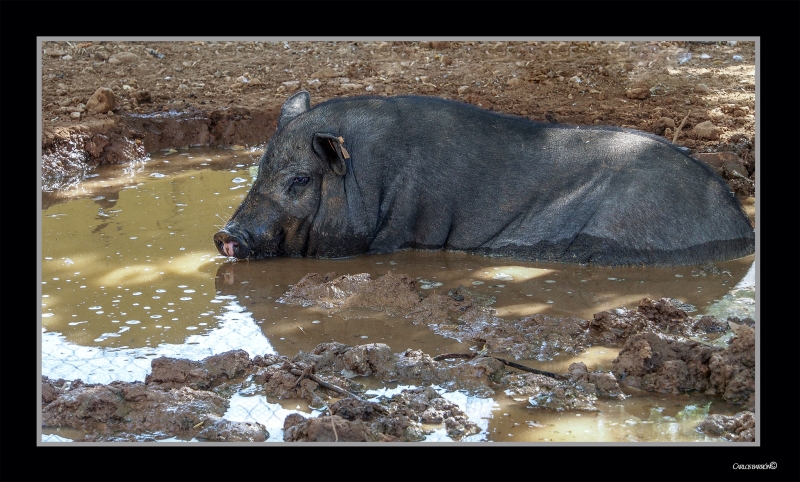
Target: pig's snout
column 231, row 244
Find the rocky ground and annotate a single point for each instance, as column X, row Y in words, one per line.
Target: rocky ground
column 117, row 101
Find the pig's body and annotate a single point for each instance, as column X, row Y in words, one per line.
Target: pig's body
column 379, row 174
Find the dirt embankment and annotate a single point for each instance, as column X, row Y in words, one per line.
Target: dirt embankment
column 117, row 101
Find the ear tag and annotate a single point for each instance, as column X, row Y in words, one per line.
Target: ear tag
column 344, row 151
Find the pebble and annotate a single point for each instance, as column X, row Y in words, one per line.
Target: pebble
column 124, row 58
column 75, row 115
column 102, row 101
column 733, row 169
column 327, row 72
column 347, row 87
column 706, row 130
column 702, row 88
column 737, row 57
column 667, row 121
column 55, row 52
column 637, row 93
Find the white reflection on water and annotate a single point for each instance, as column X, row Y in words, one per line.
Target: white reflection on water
column 236, row 329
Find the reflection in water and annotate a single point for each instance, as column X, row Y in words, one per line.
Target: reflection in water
column 234, row 330
column 130, row 272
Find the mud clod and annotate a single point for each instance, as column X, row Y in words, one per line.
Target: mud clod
column 171, row 372
column 222, row 430
column 734, row 428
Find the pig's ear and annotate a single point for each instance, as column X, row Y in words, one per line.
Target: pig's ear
column 293, row 107
column 330, row 148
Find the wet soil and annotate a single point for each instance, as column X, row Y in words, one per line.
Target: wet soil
column 187, row 399
column 116, row 101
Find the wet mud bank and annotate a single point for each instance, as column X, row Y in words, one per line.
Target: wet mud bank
column 119, row 139
column 658, row 347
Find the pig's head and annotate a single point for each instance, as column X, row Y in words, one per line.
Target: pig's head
column 295, row 206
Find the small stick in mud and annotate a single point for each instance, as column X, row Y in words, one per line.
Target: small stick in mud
column 307, row 374
column 470, row 356
column 336, row 435
column 678, row 130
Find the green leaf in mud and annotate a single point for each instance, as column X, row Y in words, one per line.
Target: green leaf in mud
column 253, row 172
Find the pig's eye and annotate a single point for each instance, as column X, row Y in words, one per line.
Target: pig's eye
column 300, row 180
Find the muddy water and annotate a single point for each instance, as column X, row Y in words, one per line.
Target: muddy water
column 130, row 272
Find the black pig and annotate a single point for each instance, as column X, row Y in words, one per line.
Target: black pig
column 379, row 174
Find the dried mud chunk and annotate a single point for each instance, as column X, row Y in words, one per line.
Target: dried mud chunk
column 213, row 370
column 350, row 420
column 662, row 312
column 664, row 363
column 419, row 366
column 425, row 405
column 391, row 293
column 373, row 359
column 321, row 290
column 548, row 393
column 672, row 363
column 538, row 337
column 222, row 430
column 132, row 407
column 51, row 389
column 732, row 371
column 352, row 409
column 564, row 398
column 598, row 382
column 481, row 376
column 709, row 324
column 613, row 327
column 735, row 428
column 327, row 429
column 278, row 380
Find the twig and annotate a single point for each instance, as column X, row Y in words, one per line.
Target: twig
column 678, row 130
column 467, row 356
column 306, row 374
column 470, row 356
column 334, row 430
